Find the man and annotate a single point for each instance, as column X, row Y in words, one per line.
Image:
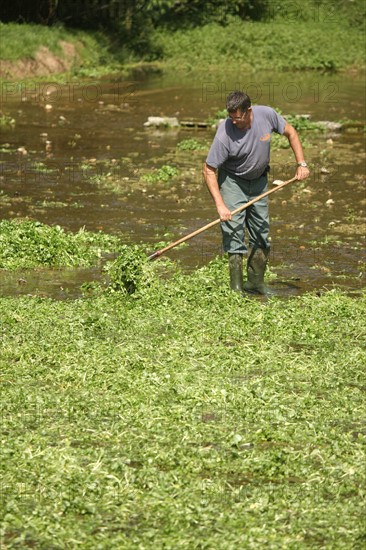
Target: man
column 236, row 172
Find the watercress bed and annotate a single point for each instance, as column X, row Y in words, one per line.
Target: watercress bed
column 165, row 411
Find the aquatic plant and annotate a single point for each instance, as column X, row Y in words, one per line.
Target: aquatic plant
column 174, row 416
column 302, row 123
column 163, row 174
column 27, row 244
column 220, row 114
column 6, row 120
column 191, row 144
column 127, row 270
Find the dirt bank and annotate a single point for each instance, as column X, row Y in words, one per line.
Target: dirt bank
column 44, row 63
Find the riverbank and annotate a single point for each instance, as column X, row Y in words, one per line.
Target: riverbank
column 37, row 51
column 254, row 45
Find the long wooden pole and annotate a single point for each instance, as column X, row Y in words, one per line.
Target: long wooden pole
column 215, row 222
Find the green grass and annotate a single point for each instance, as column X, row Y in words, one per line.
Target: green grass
column 182, row 416
column 20, row 41
column 273, row 44
column 23, row 41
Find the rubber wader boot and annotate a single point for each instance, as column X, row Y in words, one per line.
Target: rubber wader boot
column 256, row 267
column 236, row 272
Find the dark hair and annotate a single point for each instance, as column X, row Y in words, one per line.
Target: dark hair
column 237, row 100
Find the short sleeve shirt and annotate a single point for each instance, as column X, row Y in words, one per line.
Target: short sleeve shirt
column 246, row 153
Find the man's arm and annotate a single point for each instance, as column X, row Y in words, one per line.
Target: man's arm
column 302, row 172
column 210, row 177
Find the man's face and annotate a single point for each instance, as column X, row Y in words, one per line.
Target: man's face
column 241, row 119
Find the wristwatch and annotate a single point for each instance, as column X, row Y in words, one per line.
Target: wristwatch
column 303, row 164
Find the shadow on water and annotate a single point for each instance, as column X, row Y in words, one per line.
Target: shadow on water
column 78, row 153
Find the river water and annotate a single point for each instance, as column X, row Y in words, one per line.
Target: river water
column 78, row 152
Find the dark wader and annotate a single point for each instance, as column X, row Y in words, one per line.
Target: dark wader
column 235, row 192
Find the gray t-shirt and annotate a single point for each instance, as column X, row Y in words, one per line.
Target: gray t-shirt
column 246, row 153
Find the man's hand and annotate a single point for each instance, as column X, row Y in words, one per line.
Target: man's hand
column 302, row 173
column 224, row 213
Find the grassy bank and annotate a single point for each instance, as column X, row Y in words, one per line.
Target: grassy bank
column 21, row 42
column 244, row 45
column 182, row 416
column 265, row 45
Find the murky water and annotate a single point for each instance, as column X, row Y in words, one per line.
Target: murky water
column 77, row 154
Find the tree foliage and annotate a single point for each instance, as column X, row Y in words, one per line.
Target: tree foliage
column 174, row 13
column 199, row 12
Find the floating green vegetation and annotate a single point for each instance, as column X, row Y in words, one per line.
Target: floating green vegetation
column 57, row 204
column 42, row 167
column 172, row 417
column 161, row 175
column 6, row 120
column 279, row 142
column 4, row 198
column 191, row 145
column 27, row 244
column 219, row 115
column 6, row 148
column 302, row 122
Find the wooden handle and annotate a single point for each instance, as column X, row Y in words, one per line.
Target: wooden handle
column 215, row 222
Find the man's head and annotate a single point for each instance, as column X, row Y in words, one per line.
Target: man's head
column 237, row 101
column 238, row 106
